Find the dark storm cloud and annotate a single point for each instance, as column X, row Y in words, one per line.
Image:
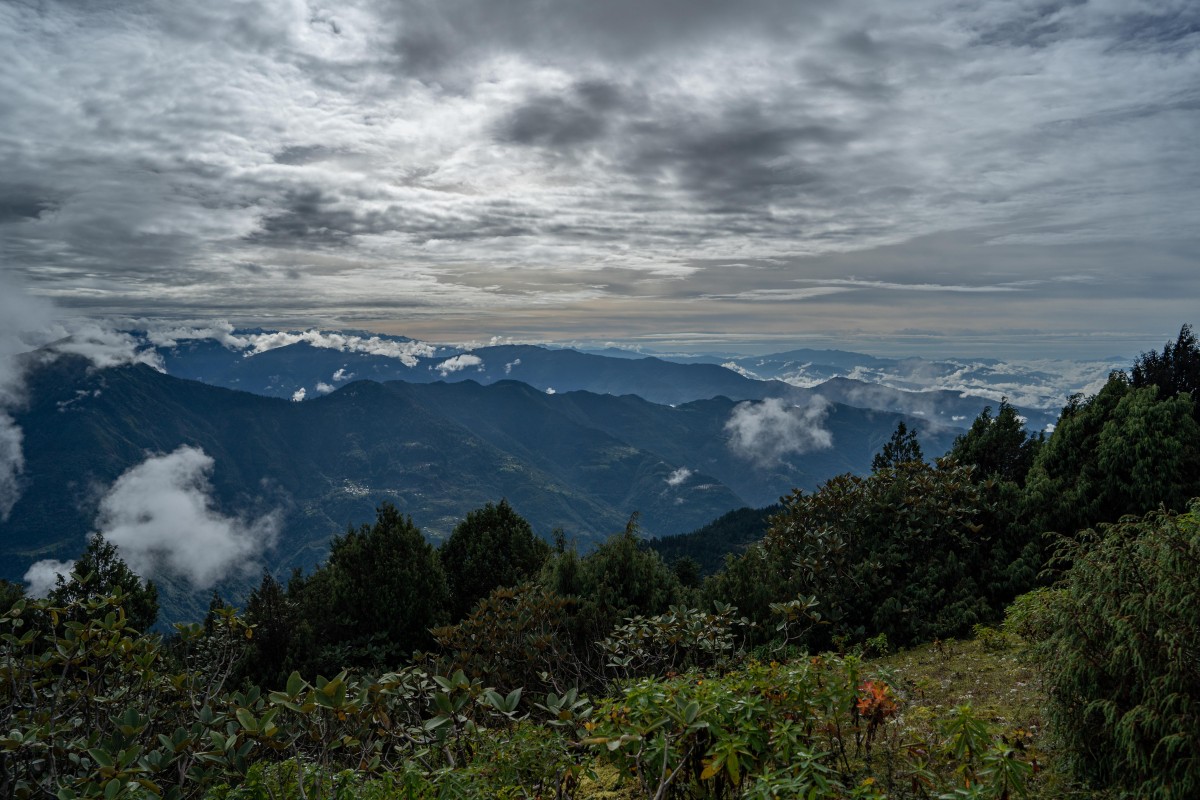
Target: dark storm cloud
column 301, row 154
column 581, row 116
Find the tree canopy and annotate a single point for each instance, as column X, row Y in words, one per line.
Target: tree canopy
column 99, row 571
column 493, row 546
column 375, row 599
column 998, row 447
column 1175, row 370
column 900, row 449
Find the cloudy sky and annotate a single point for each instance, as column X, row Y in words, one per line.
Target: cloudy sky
column 958, row 176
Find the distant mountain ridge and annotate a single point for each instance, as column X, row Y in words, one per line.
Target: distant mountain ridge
column 302, row 368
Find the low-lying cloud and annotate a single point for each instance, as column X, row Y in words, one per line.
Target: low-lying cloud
column 161, row 517
column 766, row 432
column 406, row 352
column 458, row 363
column 678, row 477
column 42, row 577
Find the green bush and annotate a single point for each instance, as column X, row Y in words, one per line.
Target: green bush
column 1121, row 655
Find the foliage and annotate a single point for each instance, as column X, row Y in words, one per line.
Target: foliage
column 373, row 602
column 1119, row 655
column 492, row 547
column 1175, row 370
column 815, row 728
column 88, row 708
column 1127, row 450
column 618, row 580
column 100, row 570
column 10, row 592
column 998, row 447
column 513, row 638
column 92, row 708
column 915, row 552
column 679, row 640
column 902, row 448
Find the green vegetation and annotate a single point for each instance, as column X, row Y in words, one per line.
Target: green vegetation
column 611, row 674
column 1118, row 640
column 494, row 546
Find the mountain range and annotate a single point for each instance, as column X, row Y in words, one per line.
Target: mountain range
column 303, row 370
column 576, row 460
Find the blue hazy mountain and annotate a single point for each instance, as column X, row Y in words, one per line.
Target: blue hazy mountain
column 284, row 371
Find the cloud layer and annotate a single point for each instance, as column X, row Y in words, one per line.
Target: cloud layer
column 609, row 168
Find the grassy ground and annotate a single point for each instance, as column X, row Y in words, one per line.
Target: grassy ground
column 994, row 675
column 990, row 673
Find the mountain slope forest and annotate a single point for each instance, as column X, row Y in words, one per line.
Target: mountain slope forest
column 574, row 461
column 612, row 673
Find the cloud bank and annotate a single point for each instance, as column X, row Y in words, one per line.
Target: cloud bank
column 766, row 432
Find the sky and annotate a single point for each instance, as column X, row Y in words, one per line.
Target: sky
column 1017, row 179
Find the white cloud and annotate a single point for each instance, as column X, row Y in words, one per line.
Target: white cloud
column 550, row 390
column 679, row 476
column 516, row 362
column 342, row 375
column 765, row 432
column 406, row 353
column 160, row 516
column 42, row 576
column 299, row 394
column 460, row 362
column 323, row 388
column 106, row 347
column 165, row 334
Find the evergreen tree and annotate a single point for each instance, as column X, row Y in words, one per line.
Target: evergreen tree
column 998, row 447
column 913, row 551
column 277, row 632
column 1124, row 451
column 1175, row 370
column 619, row 579
column 1121, row 630
column 902, row 448
column 494, row 546
column 98, row 572
column 373, row 602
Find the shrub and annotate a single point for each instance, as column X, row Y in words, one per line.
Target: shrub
column 1120, row 655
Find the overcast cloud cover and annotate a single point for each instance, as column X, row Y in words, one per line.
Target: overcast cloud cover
column 936, row 175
